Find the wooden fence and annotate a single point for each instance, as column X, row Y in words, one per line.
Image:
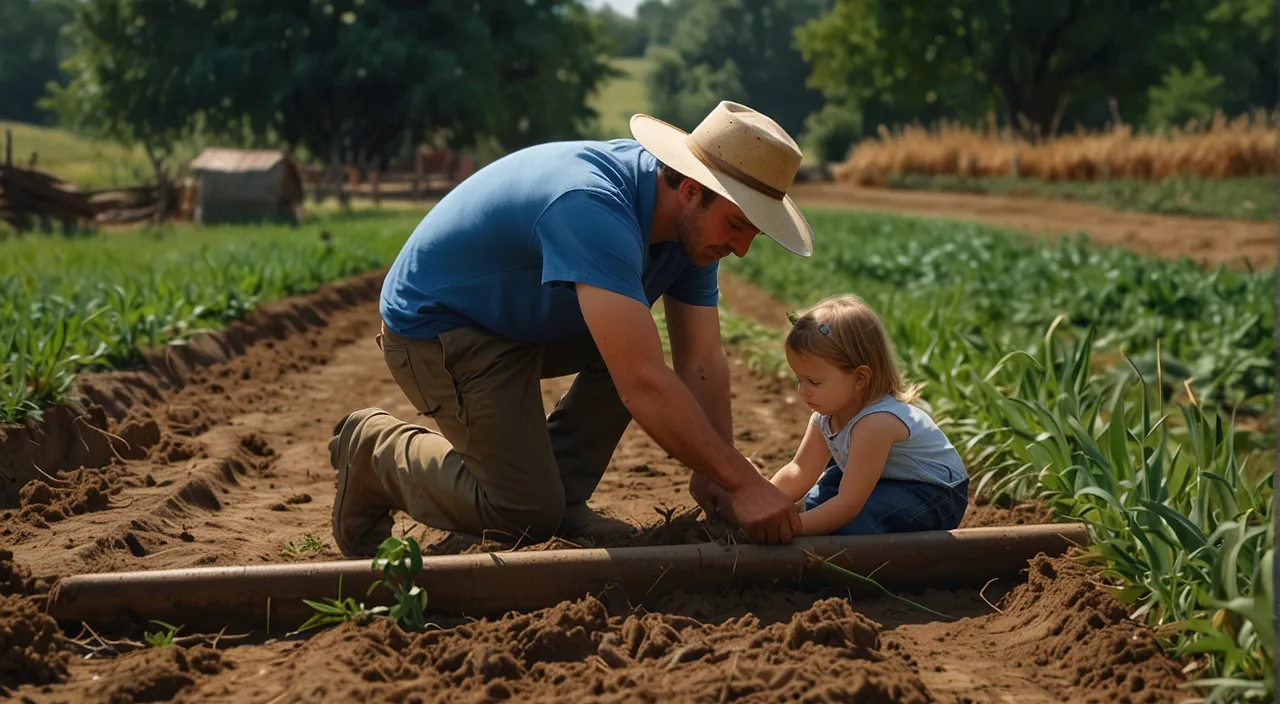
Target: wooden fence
column 31, row 199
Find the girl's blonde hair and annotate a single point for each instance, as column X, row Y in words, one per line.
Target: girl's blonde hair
column 845, row 332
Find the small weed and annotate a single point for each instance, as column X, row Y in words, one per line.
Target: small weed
column 400, row 562
column 162, row 639
column 309, row 545
column 334, row 611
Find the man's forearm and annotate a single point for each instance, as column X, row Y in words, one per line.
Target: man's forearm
column 708, row 381
column 670, row 413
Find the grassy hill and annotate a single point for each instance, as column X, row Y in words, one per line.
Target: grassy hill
column 621, row 98
column 85, row 162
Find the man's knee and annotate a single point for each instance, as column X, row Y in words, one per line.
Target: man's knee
column 534, row 525
column 537, row 520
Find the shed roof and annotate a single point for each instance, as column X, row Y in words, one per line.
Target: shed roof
column 237, row 160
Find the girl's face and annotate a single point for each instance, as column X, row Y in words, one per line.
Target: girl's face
column 824, row 387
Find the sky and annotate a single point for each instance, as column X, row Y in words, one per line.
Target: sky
column 622, row 7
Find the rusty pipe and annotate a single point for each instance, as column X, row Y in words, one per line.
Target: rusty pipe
column 489, row 584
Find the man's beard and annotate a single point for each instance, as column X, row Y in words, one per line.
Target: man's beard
column 690, row 236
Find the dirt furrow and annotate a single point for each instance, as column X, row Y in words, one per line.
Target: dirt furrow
column 232, row 468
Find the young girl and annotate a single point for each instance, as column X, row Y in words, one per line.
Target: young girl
column 869, row 461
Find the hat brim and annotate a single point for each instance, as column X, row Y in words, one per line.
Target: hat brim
column 780, row 220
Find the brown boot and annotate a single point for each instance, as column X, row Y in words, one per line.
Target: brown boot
column 361, row 507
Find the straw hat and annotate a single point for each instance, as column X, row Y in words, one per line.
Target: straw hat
column 742, row 155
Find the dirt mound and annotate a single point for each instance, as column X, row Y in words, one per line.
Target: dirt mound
column 1058, row 633
column 71, row 493
column 159, row 674
column 15, row 578
column 825, row 653
column 32, row 647
column 1088, row 635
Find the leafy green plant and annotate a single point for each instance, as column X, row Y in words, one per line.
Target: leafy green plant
column 401, row 561
column 1108, row 386
column 308, row 545
column 331, row 611
column 163, row 638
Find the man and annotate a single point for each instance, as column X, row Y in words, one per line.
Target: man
column 545, row 263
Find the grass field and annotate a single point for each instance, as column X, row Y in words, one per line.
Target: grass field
column 87, row 163
column 1237, row 198
column 621, row 98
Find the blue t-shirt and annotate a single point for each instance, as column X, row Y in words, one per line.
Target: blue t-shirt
column 500, row 250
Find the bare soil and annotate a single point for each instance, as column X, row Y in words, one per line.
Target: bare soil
column 226, row 463
column 1207, row 241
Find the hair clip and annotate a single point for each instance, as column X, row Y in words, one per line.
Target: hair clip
column 824, row 329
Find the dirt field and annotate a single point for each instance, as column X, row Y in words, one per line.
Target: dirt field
column 226, row 463
column 1204, row 240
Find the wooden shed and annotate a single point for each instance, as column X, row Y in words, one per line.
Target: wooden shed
column 242, row 185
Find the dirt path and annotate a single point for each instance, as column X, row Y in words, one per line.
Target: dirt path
column 235, row 469
column 1204, row 240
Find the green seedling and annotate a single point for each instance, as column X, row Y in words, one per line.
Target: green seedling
column 164, row 638
column 401, row 562
column 309, row 545
column 334, row 611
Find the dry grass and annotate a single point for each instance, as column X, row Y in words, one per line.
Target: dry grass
column 1223, row 148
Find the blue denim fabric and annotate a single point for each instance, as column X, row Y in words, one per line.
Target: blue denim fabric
column 895, row 506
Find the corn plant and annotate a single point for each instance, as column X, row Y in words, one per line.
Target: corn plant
column 99, row 303
column 1103, row 383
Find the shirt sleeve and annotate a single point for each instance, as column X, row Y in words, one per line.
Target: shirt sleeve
column 697, row 285
column 591, row 237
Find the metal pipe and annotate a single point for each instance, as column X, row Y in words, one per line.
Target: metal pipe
column 488, row 584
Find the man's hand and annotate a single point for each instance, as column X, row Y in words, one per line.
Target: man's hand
column 765, row 512
column 715, row 502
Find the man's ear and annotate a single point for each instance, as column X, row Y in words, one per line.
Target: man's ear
column 690, row 190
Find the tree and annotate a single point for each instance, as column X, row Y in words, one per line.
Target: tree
column 30, row 51
column 629, row 35
column 338, row 79
column 1035, row 63
column 741, row 50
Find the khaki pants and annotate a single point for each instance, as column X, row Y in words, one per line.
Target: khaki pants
column 498, row 463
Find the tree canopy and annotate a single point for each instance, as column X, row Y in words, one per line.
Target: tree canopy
column 336, row 77
column 1041, row 64
column 31, row 49
column 741, row 50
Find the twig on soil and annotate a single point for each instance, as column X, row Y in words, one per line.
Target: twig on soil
column 598, row 662
column 826, row 563
column 733, row 671
column 48, row 476
column 984, row 598
column 109, row 435
column 84, row 642
column 659, row 579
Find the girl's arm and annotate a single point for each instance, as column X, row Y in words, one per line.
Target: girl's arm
column 802, row 472
column 869, row 444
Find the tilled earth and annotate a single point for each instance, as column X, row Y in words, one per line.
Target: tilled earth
column 217, row 455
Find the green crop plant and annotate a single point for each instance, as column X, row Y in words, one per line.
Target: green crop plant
column 401, row 561
column 98, row 303
column 1108, row 385
column 163, row 638
column 330, row 611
